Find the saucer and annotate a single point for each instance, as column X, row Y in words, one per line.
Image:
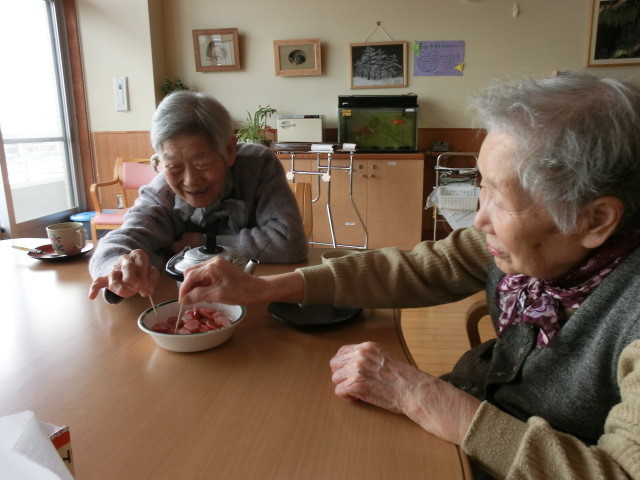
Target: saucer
column 311, row 315
column 49, row 253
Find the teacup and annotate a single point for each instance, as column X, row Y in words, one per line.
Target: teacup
column 68, row 238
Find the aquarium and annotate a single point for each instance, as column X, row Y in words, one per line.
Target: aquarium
column 379, row 123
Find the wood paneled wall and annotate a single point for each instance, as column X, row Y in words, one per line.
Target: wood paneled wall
column 459, row 139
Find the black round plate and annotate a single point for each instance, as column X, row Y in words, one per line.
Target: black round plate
column 311, row 315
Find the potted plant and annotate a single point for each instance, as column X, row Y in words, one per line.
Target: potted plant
column 169, row 86
column 255, row 129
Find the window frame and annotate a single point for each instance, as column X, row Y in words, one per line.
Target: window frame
column 63, row 29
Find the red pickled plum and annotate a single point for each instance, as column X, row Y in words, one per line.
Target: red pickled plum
column 196, row 320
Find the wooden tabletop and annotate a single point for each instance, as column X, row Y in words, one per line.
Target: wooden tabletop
column 260, row 406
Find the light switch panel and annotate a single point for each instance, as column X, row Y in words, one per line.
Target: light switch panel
column 122, row 94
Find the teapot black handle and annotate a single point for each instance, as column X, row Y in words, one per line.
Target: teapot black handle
column 210, row 243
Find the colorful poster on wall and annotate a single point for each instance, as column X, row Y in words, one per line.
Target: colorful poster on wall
column 438, row 58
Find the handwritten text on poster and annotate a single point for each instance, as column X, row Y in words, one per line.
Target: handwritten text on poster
column 438, row 58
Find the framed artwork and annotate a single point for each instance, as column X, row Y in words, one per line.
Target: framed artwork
column 297, row 57
column 377, row 65
column 614, row 33
column 216, row 50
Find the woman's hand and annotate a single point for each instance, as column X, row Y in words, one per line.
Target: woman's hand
column 130, row 275
column 369, row 373
column 218, row 280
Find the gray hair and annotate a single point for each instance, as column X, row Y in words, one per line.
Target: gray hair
column 191, row 113
column 578, row 139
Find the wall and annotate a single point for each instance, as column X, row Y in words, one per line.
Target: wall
column 116, row 41
column 146, row 39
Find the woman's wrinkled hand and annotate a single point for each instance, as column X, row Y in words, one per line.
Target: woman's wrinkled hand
column 369, row 373
column 218, row 280
column 132, row 274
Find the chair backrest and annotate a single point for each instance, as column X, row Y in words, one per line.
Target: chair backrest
column 302, row 192
column 475, row 313
column 133, row 173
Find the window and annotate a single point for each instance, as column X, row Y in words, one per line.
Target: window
column 38, row 164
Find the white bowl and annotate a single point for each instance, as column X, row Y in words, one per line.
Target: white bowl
column 195, row 342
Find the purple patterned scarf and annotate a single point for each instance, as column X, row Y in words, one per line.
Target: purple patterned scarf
column 529, row 299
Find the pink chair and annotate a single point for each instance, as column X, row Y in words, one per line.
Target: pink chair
column 129, row 175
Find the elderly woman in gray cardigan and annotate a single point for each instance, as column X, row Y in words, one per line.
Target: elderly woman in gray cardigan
column 556, row 246
column 209, row 183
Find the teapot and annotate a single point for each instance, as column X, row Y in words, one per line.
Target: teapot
column 188, row 257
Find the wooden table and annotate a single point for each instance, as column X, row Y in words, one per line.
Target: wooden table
column 260, row 406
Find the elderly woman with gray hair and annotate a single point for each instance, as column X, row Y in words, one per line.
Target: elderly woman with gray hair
column 209, row 183
column 556, row 247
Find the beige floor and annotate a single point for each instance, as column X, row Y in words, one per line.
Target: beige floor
column 437, row 337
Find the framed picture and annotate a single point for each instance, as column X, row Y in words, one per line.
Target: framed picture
column 216, row 50
column 297, row 57
column 614, row 33
column 377, row 65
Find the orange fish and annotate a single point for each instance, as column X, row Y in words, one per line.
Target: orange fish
column 397, row 121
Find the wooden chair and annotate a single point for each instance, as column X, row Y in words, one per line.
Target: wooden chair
column 302, row 192
column 475, row 313
column 129, row 175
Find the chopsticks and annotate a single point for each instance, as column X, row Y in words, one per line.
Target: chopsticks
column 178, row 319
column 30, row 250
column 153, row 305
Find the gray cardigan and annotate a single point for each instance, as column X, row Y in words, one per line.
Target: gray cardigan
column 274, row 232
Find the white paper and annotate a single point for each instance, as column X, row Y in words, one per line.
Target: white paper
column 459, row 218
column 457, row 203
column 26, row 451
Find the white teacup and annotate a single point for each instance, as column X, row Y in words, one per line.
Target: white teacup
column 68, row 238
